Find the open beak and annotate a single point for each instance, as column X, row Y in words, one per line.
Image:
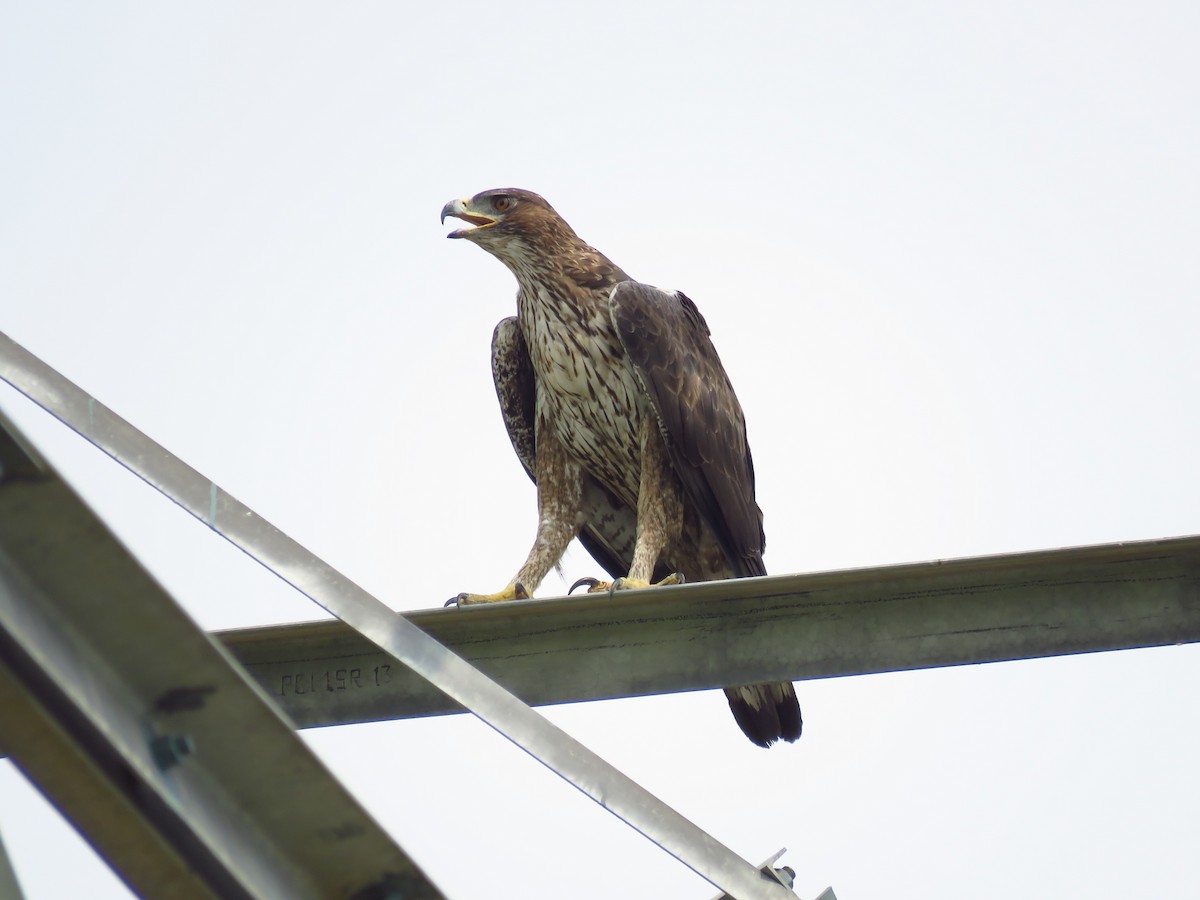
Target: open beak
column 461, row 209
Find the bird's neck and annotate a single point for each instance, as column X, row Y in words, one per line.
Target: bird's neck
column 568, row 268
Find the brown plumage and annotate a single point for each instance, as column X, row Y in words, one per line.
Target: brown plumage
column 620, row 410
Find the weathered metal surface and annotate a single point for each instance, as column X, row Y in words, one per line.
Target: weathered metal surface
column 137, row 725
column 789, row 627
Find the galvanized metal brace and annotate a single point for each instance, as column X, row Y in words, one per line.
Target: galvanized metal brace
column 343, row 598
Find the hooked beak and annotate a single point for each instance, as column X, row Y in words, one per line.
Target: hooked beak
column 461, row 209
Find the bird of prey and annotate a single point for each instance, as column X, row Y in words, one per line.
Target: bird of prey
column 620, row 411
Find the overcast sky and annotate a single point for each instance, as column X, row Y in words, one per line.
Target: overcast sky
column 948, row 252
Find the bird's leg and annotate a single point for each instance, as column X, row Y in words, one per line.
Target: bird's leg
column 560, row 496
column 659, row 515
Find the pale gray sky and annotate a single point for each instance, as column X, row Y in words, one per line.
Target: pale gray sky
column 949, row 255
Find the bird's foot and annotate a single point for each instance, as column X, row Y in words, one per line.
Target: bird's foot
column 515, row 591
column 596, row 586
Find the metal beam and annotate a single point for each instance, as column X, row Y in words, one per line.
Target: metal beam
column 141, row 730
column 405, row 644
column 790, row 627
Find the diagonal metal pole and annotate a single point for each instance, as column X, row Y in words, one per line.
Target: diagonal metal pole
column 336, row 593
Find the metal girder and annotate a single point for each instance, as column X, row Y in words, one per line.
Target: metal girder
column 781, row 628
column 404, row 643
column 140, row 729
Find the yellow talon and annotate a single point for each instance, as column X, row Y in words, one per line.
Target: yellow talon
column 596, row 586
column 515, row 591
column 633, row 584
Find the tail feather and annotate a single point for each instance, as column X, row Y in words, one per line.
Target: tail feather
column 766, row 713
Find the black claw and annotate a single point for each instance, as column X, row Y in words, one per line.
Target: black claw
column 454, row 601
column 590, row 582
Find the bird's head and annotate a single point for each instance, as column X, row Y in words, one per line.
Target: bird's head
column 510, row 223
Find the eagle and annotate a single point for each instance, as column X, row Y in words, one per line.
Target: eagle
column 621, row 412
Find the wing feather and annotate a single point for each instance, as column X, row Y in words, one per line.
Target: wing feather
column 516, row 388
column 668, row 343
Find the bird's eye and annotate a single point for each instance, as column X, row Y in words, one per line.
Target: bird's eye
column 500, row 204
